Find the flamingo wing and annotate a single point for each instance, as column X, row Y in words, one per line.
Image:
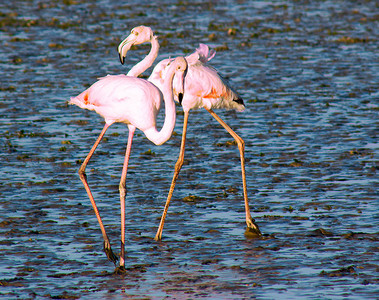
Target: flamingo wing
column 121, row 98
column 204, row 86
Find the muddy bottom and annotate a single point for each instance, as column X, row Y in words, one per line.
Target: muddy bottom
column 308, row 73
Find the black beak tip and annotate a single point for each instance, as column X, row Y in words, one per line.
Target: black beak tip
column 122, row 59
column 180, row 97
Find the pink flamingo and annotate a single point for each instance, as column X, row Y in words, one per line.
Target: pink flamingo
column 135, row 102
column 204, row 87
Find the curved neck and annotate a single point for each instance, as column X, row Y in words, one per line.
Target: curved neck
column 147, row 62
column 159, row 137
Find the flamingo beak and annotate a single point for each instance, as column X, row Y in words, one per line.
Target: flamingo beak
column 180, row 88
column 125, row 46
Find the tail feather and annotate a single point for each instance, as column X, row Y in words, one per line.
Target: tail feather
column 81, row 100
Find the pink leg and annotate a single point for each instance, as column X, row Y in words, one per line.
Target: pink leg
column 122, row 188
column 83, row 178
column 252, row 228
column 178, row 166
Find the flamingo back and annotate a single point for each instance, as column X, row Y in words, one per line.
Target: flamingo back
column 121, row 98
column 204, row 86
column 202, row 54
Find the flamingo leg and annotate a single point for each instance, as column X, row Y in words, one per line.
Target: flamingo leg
column 178, row 166
column 83, row 177
column 252, row 228
column 122, row 189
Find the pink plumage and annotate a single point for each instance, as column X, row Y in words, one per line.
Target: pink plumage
column 121, row 98
column 204, row 86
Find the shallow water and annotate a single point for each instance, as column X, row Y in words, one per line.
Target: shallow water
column 308, row 72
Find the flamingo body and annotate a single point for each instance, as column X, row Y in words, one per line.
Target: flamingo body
column 204, row 87
column 120, row 98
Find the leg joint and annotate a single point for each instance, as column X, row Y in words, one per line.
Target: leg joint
column 241, row 144
column 82, row 173
column 179, row 164
column 122, row 188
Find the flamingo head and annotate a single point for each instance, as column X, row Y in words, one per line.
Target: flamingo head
column 181, row 66
column 138, row 35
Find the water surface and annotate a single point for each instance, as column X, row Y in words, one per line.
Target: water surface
column 308, row 72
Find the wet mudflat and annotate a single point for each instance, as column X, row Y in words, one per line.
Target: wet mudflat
column 308, row 72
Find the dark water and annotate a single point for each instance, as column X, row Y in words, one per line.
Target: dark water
column 308, row 71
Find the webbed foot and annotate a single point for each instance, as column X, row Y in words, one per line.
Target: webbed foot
column 252, row 229
column 120, row 270
column 108, row 251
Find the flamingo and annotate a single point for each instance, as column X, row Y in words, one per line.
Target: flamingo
column 135, row 102
column 204, row 88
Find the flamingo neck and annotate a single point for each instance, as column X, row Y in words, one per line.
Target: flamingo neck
column 160, row 137
column 147, row 62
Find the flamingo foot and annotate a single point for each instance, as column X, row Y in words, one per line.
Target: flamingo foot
column 252, row 229
column 120, row 270
column 158, row 237
column 108, row 251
